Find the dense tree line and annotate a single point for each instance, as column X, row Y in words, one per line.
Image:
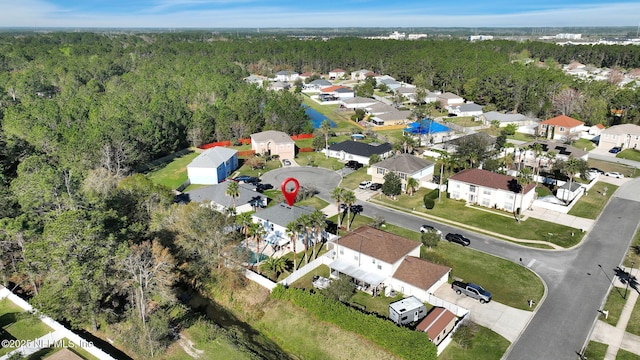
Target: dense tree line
column 80, row 112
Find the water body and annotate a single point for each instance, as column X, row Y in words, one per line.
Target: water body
column 317, row 118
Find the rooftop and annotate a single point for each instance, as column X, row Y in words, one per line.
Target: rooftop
column 563, row 120
column 360, row 148
column 213, row 157
column 404, row 163
column 378, row 244
column 408, row 303
column 420, row 273
column 488, row 179
column 277, row 137
column 282, row 214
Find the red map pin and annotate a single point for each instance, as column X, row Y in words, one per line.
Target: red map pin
column 290, row 196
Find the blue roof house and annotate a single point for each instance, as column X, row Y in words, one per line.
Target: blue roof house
column 212, row 166
column 429, row 130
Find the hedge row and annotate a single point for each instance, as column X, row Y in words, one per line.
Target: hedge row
column 406, row 343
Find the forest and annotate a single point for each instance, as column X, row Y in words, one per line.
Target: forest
column 96, row 244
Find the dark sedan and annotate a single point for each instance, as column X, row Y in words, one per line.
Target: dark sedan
column 458, row 239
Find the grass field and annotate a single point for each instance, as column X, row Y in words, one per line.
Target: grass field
column 584, row 144
column 314, row 202
column 466, row 121
column 605, row 166
column 614, row 304
column 174, row 173
column 486, row 345
column 630, row 154
column 595, row 350
column 447, row 209
column 19, row 324
column 591, row 205
column 352, row 180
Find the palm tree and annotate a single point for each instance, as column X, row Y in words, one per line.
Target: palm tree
column 274, row 265
column 337, row 194
column 412, row 184
column 349, row 198
column 537, row 152
column 304, row 225
column 292, row 231
column 325, row 129
column 244, row 220
column 576, row 166
column 524, row 179
column 233, row 190
column 257, row 231
column 319, row 224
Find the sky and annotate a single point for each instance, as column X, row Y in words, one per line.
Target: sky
column 316, row 13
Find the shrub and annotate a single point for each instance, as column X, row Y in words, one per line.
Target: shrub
column 465, row 334
column 429, row 203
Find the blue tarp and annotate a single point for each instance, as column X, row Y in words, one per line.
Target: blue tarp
column 426, row 126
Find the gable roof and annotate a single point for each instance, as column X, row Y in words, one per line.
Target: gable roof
column 470, row 107
column 278, row 137
column 320, row 82
column 282, row 214
column 380, row 108
column 623, row 129
column 378, row 244
column 360, row 148
column 494, row 115
column 334, row 88
column 212, row 158
column 449, row 95
column 404, row 163
column 559, row 148
column 420, row 273
column 394, row 115
column 436, row 321
column 360, row 100
column 563, row 120
column 337, row 70
column 487, row 179
column 286, row 72
column 218, row 194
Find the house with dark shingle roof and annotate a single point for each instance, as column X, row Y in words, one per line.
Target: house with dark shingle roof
column 377, row 259
column 489, row 189
column 359, row 151
column 560, row 127
column 215, row 196
column 405, row 165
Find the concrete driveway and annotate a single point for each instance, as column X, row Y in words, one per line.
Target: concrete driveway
column 323, row 180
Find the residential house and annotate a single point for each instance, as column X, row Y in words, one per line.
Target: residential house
column 595, row 130
column 337, row 74
column 392, row 84
column 526, row 155
column 429, row 131
column 439, row 323
column 406, row 311
column 391, row 118
column 212, row 166
column 215, row 197
column 278, row 86
column 305, row 75
column 409, row 92
column 448, row 100
column 361, row 74
column 560, row 127
column 380, row 108
column 370, row 256
column 287, row 76
column 626, row 136
column 256, row 79
column 489, row 189
column 418, row 277
column 316, row 85
column 467, row 109
column 339, row 92
column 504, row 119
column 359, row 151
column 275, row 219
column 568, row 191
column 405, row 165
column 479, row 136
column 358, row 102
column 273, row 142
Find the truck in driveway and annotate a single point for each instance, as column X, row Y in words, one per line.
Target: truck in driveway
column 471, row 290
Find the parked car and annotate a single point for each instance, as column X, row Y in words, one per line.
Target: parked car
column 364, row 185
column 614, row 174
column 471, row 290
column 263, row 187
column 424, row 228
column 615, row 149
column 375, row 186
column 286, row 162
column 246, row 179
column 452, row 115
column 353, row 164
column 596, row 170
column 458, row 239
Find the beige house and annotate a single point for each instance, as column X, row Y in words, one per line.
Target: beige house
column 448, row 99
column 405, row 165
column 560, row 127
column 273, row 142
column 626, row 136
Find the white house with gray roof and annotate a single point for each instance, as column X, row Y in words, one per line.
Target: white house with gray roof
column 358, row 102
column 212, row 166
column 626, row 136
column 405, row 165
column 468, row 109
column 504, row 119
column 287, row 75
column 215, row 197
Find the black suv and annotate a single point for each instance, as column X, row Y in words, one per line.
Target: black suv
column 353, row 165
column 458, row 239
column 247, row 179
column 375, row 186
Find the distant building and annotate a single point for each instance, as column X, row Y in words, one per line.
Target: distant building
column 480, row 37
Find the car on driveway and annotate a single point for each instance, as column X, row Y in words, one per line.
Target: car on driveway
column 458, row 239
column 614, row 174
column 615, row 149
column 364, row 185
column 286, row 162
column 352, row 164
column 246, row 179
column 596, row 170
column 424, row 228
column 262, row 187
column 375, row 186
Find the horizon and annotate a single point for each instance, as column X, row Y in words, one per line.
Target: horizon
column 287, row 14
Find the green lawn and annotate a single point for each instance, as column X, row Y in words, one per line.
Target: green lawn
column 314, row 202
column 627, row 171
column 630, row 154
column 354, row 179
column 318, row 159
column 583, row 144
column 614, row 304
column 248, row 170
column 543, row 191
column 626, row 355
column 590, row 205
column 466, row 121
column 595, row 350
column 173, row 174
column 452, row 210
column 634, row 322
column 390, row 136
column 633, row 256
column 521, row 137
column 486, row 345
column 19, row 324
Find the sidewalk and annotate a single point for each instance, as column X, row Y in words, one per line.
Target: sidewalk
column 616, row 336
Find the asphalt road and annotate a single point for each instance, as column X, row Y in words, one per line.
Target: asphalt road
column 577, row 279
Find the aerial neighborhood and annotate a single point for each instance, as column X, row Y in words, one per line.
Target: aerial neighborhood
column 342, row 211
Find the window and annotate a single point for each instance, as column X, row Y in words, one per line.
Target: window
column 403, row 176
column 455, row 195
column 373, row 261
column 355, row 257
column 472, row 188
column 544, row 126
column 562, row 129
column 341, row 251
column 457, row 186
column 487, row 192
column 510, row 197
column 486, row 202
column 379, row 267
column 380, row 171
